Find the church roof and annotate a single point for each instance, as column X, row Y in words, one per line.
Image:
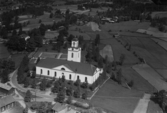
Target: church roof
column 78, row 67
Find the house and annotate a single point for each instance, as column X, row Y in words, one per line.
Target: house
column 71, row 69
column 6, row 103
column 63, row 108
column 6, row 89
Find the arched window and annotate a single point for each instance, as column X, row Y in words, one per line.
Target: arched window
column 48, row 72
column 77, row 77
column 55, row 74
column 41, row 71
column 86, row 79
column 72, row 55
column 70, row 77
column 62, row 69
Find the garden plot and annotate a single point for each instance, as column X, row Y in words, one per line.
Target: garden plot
column 151, row 76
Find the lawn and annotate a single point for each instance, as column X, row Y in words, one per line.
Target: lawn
column 113, row 97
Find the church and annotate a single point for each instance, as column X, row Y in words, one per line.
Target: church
column 72, row 68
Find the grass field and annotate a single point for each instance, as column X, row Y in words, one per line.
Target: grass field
column 153, row 108
column 139, row 82
column 116, row 98
column 146, row 48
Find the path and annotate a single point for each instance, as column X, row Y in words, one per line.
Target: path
column 13, row 82
column 59, row 55
column 142, row 104
column 151, row 76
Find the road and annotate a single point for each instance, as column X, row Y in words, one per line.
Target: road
column 13, row 79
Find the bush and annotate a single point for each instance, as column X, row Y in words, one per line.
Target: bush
column 131, row 83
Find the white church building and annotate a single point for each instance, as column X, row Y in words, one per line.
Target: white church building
column 71, row 69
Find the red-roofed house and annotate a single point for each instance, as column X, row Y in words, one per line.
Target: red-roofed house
column 71, row 69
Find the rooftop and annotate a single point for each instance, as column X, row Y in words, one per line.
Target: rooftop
column 6, row 100
column 78, row 67
column 4, row 86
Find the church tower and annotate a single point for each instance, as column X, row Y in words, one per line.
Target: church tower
column 74, row 52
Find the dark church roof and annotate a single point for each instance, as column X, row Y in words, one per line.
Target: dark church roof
column 77, row 67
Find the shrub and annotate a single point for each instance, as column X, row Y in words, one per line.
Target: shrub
column 131, row 83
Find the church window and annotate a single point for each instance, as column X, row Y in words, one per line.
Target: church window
column 70, row 77
column 77, row 77
column 48, row 72
column 41, row 71
column 55, row 74
column 62, row 69
column 85, row 79
column 73, row 44
column 72, row 55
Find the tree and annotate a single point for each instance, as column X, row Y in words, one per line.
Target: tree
column 30, row 45
column 43, row 85
column 40, row 21
column 69, row 91
column 14, row 32
column 69, row 100
column 38, row 40
column 25, row 110
column 121, row 59
column 51, row 15
column 97, row 40
column 26, row 82
column 85, row 95
column 20, row 30
column 77, row 82
column 28, row 96
column 77, row 92
column 60, row 96
column 119, row 76
column 100, row 63
column 55, row 89
column 4, row 76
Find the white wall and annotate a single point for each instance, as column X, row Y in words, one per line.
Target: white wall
column 59, row 74
column 76, row 53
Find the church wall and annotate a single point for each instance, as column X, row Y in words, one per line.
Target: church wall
column 60, row 73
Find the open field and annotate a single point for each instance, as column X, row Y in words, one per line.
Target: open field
column 128, row 25
column 162, row 43
column 153, row 108
column 146, row 48
column 162, row 72
column 139, row 82
column 151, row 76
column 118, row 49
column 113, row 97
